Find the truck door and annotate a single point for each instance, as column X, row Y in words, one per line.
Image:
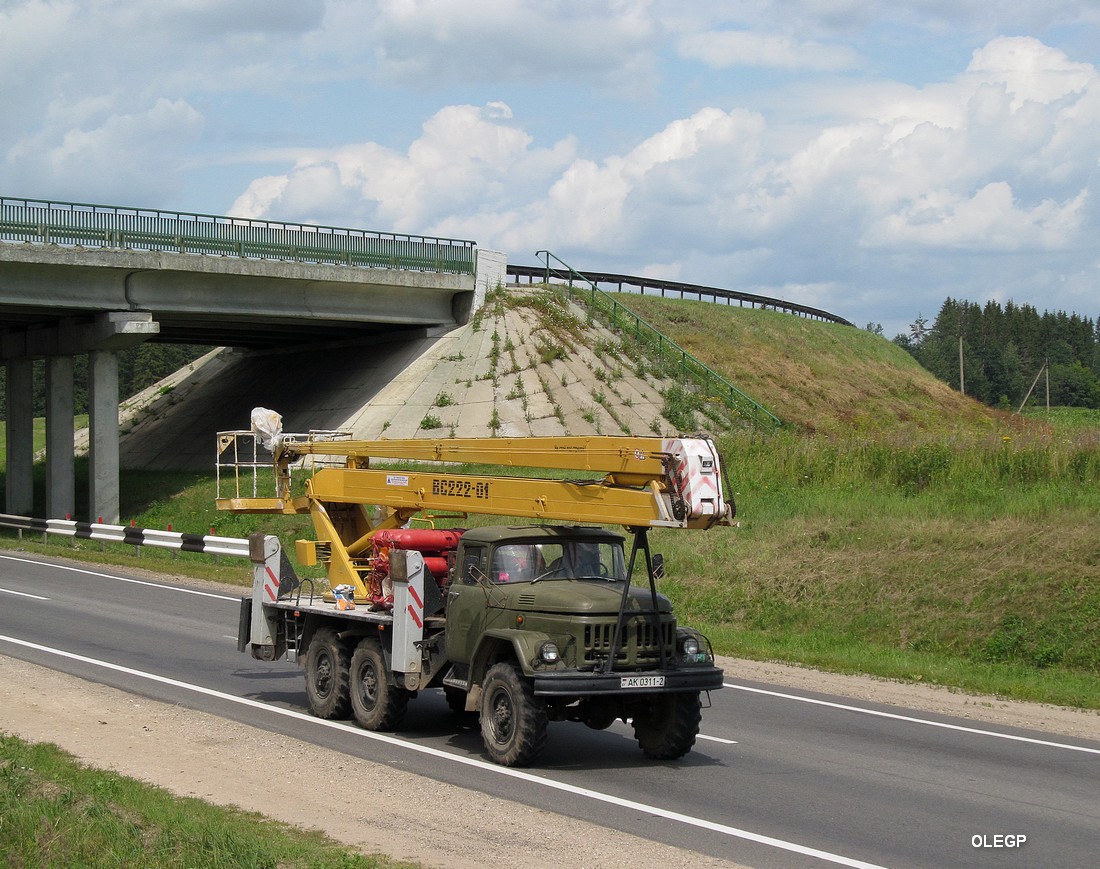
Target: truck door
column 468, row 605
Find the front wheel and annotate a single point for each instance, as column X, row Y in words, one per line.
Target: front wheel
column 513, row 723
column 376, row 702
column 666, row 726
column 327, row 675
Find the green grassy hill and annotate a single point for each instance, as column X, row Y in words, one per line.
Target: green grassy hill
column 818, row 377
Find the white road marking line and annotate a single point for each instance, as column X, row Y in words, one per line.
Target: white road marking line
column 23, row 594
column 482, row 765
column 717, row 739
column 121, row 578
column 628, row 722
column 911, row 720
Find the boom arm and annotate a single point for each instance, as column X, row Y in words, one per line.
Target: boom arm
column 647, row 482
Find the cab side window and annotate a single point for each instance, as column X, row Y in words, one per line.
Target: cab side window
column 473, row 565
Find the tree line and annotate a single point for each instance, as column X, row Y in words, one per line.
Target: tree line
column 138, row 368
column 1004, row 350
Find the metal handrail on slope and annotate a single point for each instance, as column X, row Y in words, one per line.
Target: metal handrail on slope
column 684, row 289
column 122, row 228
column 709, row 381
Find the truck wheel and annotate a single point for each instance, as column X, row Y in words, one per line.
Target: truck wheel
column 376, row 702
column 667, row 725
column 327, row 675
column 513, row 724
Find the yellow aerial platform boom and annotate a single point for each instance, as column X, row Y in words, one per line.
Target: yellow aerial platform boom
column 647, row 482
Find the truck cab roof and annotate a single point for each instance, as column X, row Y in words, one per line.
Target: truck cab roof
column 492, row 534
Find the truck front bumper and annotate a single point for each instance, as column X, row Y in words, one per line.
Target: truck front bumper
column 570, row 683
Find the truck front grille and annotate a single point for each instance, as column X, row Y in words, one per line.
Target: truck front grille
column 639, row 644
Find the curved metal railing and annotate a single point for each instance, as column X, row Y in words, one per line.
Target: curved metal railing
column 545, row 274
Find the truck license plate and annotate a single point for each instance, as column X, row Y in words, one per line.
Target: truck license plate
column 642, row 682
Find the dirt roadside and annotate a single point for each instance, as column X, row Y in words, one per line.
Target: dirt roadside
column 397, row 813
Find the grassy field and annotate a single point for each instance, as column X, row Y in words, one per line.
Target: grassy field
column 57, row 812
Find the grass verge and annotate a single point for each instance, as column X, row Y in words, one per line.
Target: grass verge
column 56, row 812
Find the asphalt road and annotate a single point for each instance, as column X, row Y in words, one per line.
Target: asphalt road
column 779, row 778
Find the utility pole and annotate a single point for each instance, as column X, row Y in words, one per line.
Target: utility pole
column 1046, row 368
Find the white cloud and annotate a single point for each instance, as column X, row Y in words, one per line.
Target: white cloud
column 731, row 48
column 465, row 157
column 960, row 165
column 989, row 220
column 111, row 152
column 607, row 44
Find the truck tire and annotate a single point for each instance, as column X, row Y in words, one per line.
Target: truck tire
column 376, row 702
column 327, row 670
column 667, row 725
column 513, row 723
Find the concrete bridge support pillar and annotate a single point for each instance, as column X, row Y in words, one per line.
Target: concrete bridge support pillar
column 60, row 450
column 19, row 474
column 103, row 437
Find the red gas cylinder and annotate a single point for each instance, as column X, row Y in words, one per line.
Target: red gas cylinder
column 419, row 539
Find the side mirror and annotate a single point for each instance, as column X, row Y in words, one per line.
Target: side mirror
column 658, row 567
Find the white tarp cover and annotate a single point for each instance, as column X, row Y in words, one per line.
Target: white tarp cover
column 267, row 425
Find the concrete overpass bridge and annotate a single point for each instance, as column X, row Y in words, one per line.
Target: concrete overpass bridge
column 90, row 279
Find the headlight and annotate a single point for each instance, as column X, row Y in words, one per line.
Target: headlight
column 693, row 647
column 549, row 652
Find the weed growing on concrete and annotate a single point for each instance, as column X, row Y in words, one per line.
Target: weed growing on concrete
column 680, row 407
column 548, row 351
column 431, row 421
column 444, row 400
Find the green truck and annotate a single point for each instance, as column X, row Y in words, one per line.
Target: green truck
column 519, row 624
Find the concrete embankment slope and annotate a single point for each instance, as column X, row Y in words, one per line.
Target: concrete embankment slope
column 512, row 371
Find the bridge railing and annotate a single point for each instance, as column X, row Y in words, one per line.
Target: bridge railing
column 74, row 223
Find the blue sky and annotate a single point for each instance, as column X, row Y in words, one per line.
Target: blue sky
column 868, row 158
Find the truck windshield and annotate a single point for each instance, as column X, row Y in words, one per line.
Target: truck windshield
column 571, row 559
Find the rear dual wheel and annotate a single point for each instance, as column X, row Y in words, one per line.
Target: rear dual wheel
column 327, row 671
column 376, row 702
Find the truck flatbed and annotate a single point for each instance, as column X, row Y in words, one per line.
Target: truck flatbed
column 317, row 605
